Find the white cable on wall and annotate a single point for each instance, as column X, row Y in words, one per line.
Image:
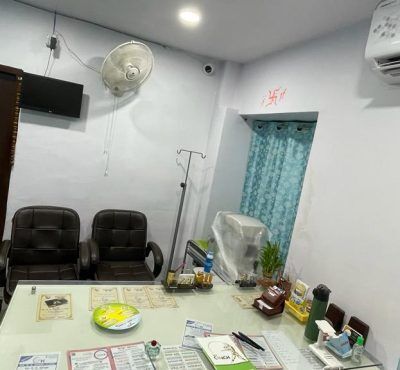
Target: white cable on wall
column 74, row 55
column 109, row 137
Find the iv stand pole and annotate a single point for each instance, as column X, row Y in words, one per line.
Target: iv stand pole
column 178, row 219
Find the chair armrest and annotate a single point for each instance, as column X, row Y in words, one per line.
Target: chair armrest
column 84, row 256
column 157, row 255
column 94, row 251
column 4, row 249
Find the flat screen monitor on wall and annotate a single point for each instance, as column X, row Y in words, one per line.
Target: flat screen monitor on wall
column 51, row 95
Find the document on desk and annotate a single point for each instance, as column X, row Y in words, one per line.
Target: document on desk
column 90, row 359
column 136, row 296
column 100, row 296
column 290, row 356
column 130, row 356
column 159, row 298
column 193, row 330
column 54, row 307
column 153, row 296
column 246, row 300
column 38, row 361
column 178, row 358
column 262, row 360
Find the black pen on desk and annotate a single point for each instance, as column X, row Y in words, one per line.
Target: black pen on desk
column 246, row 339
column 254, row 344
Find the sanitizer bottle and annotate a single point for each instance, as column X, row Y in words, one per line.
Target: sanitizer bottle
column 209, row 261
column 358, row 349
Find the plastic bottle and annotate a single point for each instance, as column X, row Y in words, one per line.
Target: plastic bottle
column 209, row 261
column 358, row 349
column 153, row 349
column 318, row 310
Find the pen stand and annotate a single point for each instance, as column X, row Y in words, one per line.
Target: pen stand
column 298, row 311
column 180, row 282
column 188, row 281
column 271, row 302
column 203, row 280
column 246, row 281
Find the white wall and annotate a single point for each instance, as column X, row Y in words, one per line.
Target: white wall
column 60, row 161
column 346, row 233
column 230, row 169
column 227, row 151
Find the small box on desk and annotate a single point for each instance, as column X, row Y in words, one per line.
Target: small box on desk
column 271, row 302
column 293, row 309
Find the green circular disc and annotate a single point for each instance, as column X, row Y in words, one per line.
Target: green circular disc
column 116, row 316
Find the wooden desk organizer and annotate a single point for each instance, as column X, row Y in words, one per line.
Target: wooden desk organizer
column 271, row 302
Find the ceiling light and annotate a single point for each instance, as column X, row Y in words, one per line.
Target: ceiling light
column 190, row 17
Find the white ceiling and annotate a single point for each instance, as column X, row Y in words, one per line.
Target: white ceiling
column 237, row 30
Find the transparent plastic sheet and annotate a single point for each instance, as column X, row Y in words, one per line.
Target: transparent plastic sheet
column 236, row 242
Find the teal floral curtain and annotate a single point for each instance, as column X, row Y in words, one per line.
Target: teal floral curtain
column 277, row 162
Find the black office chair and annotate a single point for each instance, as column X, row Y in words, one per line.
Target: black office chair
column 118, row 247
column 44, row 245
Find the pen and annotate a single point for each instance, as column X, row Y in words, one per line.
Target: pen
column 247, row 340
column 251, row 342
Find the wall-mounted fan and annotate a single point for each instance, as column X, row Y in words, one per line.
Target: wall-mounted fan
column 126, row 67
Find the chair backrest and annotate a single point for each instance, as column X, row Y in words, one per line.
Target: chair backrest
column 44, row 235
column 121, row 235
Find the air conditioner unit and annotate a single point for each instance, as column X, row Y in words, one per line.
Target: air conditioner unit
column 383, row 46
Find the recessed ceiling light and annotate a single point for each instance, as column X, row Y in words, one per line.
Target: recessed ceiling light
column 190, row 17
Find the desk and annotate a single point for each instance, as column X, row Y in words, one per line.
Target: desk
column 21, row 333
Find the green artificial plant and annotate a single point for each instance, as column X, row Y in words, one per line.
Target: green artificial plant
column 270, row 258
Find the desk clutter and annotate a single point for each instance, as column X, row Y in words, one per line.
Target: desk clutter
column 270, row 350
column 59, row 306
column 198, row 278
column 324, row 323
column 117, row 309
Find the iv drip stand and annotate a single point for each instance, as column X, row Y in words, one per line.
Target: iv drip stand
column 178, row 219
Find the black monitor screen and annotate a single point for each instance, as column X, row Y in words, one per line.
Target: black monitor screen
column 51, row 95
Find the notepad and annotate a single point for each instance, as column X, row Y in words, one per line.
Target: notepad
column 224, row 354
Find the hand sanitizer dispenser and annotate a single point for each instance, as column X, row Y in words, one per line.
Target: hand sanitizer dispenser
column 319, row 349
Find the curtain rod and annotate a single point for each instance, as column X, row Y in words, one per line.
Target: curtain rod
column 285, row 121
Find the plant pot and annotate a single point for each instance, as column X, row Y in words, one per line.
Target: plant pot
column 266, row 281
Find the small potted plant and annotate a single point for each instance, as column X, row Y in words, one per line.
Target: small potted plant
column 271, row 262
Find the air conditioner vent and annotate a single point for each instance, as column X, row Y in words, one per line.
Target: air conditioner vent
column 395, row 72
column 382, row 51
column 383, row 62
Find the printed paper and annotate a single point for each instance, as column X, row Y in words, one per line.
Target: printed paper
column 122, row 357
column 152, row 296
column 194, row 329
column 246, row 300
column 100, row 296
column 178, row 358
column 38, row 361
column 54, row 307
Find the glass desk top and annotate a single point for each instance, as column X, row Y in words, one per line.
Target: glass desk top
column 20, row 332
